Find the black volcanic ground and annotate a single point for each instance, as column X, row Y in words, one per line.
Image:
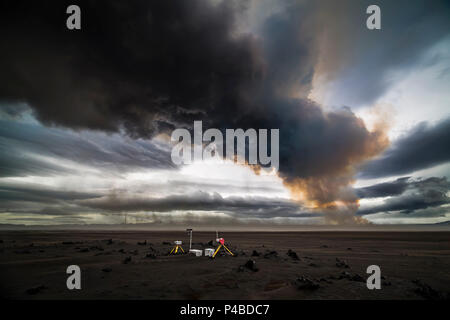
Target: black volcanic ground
column 330, row 265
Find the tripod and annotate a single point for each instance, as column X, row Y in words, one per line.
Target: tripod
column 222, row 245
column 177, row 246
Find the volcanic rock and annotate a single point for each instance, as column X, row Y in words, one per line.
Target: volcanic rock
column 303, row 283
column 249, row 265
column 271, row 255
column 427, row 292
column 36, row 290
column 255, row 253
column 293, row 254
column 126, row 260
column 341, row 264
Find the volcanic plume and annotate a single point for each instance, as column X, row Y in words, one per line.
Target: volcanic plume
column 147, row 67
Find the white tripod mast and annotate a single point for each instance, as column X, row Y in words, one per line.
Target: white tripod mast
column 190, row 238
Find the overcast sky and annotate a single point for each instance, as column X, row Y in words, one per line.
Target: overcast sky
column 86, row 115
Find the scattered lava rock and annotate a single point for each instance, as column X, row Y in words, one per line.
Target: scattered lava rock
column 255, row 253
column 36, row 290
column 324, row 246
column 293, row 254
column 166, row 243
column 106, row 269
column 144, row 243
column 84, row 250
column 96, row 248
column 341, row 264
column 249, row 265
column 109, row 241
column 152, row 250
column 210, row 243
column 271, row 255
column 356, row 277
column 134, row 252
column 325, row 280
column 303, row 283
column 126, row 260
column 427, row 292
column 349, row 249
column 121, row 250
column 313, row 265
column 352, row 277
column 150, row 255
column 71, row 242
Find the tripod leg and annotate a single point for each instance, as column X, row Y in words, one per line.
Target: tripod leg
column 228, row 250
column 171, row 250
column 217, row 250
column 176, row 249
column 181, row 249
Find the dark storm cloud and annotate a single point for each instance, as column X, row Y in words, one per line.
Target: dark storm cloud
column 417, row 195
column 423, row 147
column 142, row 65
column 288, row 50
column 23, row 146
column 430, row 212
column 147, row 67
column 228, row 185
column 35, row 199
column 14, row 163
column 384, row 189
column 40, row 194
column 359, row 63
column 200, row 201
column 52, row 208
column 55, row 220
column 12, row 111
column 77, row 205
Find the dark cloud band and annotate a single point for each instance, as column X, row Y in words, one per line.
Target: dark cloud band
column 423, row 147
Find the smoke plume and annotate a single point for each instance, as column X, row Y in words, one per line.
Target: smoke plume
column 148, row 67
